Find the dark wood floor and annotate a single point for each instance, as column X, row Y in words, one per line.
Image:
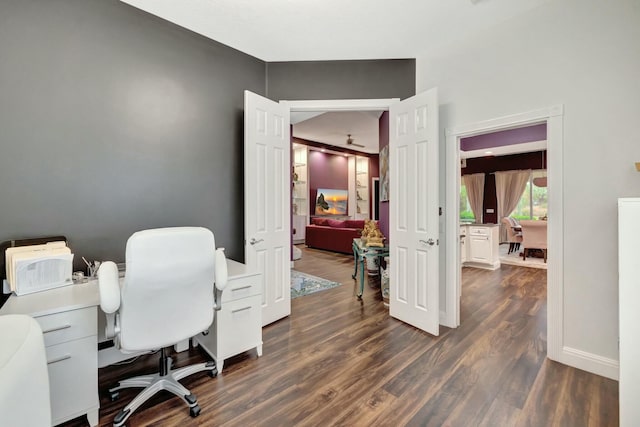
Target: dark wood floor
column 337, row 361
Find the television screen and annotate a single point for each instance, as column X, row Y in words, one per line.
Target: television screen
column 331, row 202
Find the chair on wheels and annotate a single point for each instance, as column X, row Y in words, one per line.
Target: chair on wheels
column 167, row 296
column 513, row 237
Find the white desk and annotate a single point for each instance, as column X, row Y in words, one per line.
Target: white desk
column 69, row 317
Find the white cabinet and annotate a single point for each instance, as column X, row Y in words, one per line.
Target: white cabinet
column 298, row 228
column 237, row 326
column 629, row 315
column 71, row 342
column 464, row 245
column 362, row 187
column 480, row 244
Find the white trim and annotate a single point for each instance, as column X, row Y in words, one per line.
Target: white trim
column 341, row 104
column 526, row 147
column 553, row 116
column 590, row 362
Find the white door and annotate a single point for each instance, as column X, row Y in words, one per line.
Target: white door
column 267, row 200
column 413, row 211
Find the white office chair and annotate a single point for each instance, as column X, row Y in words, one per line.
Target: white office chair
column 166, row 297
column 24, row 377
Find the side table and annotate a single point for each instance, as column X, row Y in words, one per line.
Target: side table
column 360, row 253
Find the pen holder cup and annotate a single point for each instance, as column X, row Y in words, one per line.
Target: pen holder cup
column 92, row 270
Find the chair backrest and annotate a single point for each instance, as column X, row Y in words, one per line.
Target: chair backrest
column 509, row 227
column 167, row 294
column 534, row 234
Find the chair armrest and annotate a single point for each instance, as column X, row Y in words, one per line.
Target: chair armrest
column 222, row 275
column 109, row 286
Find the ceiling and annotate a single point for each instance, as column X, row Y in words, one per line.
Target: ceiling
column 312, row 30
column 332, row 128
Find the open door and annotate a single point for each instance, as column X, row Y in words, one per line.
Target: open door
column 413, row 211
column 267, row 196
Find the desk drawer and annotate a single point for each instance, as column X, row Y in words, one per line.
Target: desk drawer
column 242, row 287
column 239, row 326
column 73, row 378
column 479, row 231
column 68, row 325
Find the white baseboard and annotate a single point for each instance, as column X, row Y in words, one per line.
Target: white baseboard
column 590, row 362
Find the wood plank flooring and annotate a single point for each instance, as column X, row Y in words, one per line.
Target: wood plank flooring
column 337, row 361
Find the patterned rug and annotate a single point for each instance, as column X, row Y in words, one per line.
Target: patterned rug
column 305, row 284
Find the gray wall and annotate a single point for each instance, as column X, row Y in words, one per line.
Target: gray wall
column 366, row 79
column 112, row 120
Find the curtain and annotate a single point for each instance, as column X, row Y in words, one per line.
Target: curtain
column 475, row 193
column 509, row 188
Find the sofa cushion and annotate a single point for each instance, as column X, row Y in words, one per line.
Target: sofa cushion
column 354, row 223
column 318, row 221
column 336, row 223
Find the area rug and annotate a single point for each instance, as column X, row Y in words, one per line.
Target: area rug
column 305, row 284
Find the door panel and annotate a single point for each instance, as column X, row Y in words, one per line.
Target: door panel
column 267, row 194
column 413, row 198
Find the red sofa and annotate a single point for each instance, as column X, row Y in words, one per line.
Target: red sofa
column 332, row 234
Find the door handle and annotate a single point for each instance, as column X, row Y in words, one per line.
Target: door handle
column 253, row 241
column 429, row 242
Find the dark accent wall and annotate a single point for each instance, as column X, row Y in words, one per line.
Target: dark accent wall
column 374, row 172
column 326, row 171
column 113, row 120
column 506, row 137
column 488, row 165
column 365, row 79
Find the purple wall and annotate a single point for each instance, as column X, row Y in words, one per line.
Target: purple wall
column 326, row 171
column 383, row 124
column 505, row 137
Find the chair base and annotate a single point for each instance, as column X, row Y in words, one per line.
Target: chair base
column 167, row 380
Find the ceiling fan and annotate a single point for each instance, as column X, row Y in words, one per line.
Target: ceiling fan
column 350, row 141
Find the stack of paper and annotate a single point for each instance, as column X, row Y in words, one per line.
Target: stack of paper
column 39, row 267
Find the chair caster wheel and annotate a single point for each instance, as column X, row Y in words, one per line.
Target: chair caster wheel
column 213, row 373
column 194, row 411
column 115, row 395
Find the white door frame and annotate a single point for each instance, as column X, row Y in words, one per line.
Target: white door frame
column 553, row 117
column 326, row 105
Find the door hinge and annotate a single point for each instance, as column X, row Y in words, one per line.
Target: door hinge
column 440, row 211
column 438, row 242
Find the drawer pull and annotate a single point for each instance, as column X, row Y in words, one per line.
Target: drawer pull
column 59, row 328
column 240, row 309
column 59, row 359
column 241, row 288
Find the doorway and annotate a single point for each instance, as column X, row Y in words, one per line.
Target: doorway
column 553, row 117
column 343, row 168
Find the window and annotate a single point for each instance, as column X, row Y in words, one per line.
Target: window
column 533, row 203
column 466, row 213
